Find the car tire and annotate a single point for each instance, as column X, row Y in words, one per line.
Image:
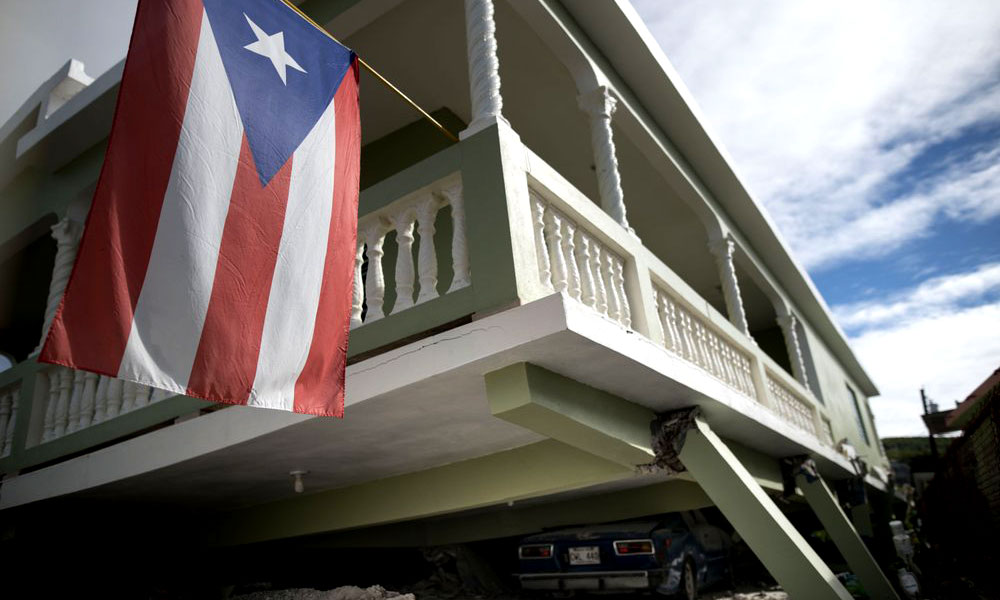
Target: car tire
column 689, row 584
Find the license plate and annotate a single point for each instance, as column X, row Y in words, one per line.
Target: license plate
column 584, row 555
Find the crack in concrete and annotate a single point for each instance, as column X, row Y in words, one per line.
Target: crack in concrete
column 422, row 347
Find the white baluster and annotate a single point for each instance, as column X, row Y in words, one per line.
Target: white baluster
column 75, row 400
column 569, row 251
column 89, row 399
column 587, row 291
column 553, row 234
column 674, row 324
column 358, row 298
column 626, row 312
column 747, row 378
column 541, row 248
column 8, row 438
column 48, row 428
column 128, row 396
column 687, row 334
column 728, row 363
column 375, row 286
column 62, row 407
column 114, row 407
column 426, row 254
column 6, row 398
column 142, row 393
column 459, row 244
column 403, row 223
column 715, row 352
column 600, row 290
column 101, row 400
column 614, row 299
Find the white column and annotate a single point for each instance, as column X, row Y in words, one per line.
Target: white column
column 67, row 235
column 599, row 105
column 722, row 249
column 484, row 66
column 788, row 322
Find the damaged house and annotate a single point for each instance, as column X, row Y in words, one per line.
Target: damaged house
column 575, row 313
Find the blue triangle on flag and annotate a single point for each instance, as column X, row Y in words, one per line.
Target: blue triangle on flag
column 283, row 72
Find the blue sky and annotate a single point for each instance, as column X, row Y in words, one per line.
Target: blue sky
column 871, row 133
column 870, row 130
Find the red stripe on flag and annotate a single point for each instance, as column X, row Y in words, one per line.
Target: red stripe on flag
column 319, row 389
column 92, row 325
column 226, row 362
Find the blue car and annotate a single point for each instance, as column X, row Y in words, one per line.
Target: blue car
column 674, row 554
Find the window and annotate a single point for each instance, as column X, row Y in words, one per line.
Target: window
column 857, row 414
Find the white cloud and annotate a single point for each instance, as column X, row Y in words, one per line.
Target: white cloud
column 949, row 353
column 822, row 104
column 941, row 334
column 932, row 298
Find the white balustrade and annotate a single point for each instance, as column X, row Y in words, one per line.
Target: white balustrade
column 693, row 339
column 573, row 260
column 792, row 408
column 416, row 213
column 9, row 400
column 75, row 400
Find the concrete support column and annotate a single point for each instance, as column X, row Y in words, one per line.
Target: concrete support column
column 600, row 105
column 484, row 66
column 843, row 534
column 768, row 532
column 788, row 324
column 67, row 235
column 722, row 248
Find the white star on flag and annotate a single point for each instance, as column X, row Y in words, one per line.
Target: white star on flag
column 273, row 47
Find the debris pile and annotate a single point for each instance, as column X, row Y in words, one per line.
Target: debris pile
column 348, row 592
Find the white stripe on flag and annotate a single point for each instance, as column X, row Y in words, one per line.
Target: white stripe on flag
column 170, row 312
column 298, row 274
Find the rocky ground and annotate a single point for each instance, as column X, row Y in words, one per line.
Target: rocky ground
column 379, row 593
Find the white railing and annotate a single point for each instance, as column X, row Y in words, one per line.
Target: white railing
column 584, row 253
column 796, row 410
column 690, row 337
column 76, row 399
column 9, row 401
column 414, row 284
column 573, row 260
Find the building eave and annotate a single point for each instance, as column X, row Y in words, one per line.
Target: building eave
column 628, row 45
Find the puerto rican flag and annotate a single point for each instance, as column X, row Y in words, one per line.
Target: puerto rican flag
column 218, row 256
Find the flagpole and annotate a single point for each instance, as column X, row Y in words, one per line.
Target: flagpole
column 378, row 75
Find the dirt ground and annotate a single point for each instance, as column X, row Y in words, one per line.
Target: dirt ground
column 380, row 593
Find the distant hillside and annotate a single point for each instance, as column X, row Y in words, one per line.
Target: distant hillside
column 914, row 451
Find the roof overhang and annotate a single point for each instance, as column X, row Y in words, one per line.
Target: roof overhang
column 628, row 45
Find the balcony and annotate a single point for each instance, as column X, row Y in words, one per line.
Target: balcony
column 466, row 235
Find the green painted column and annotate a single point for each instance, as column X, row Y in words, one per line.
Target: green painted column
column 768, row 532
column 843, row 534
